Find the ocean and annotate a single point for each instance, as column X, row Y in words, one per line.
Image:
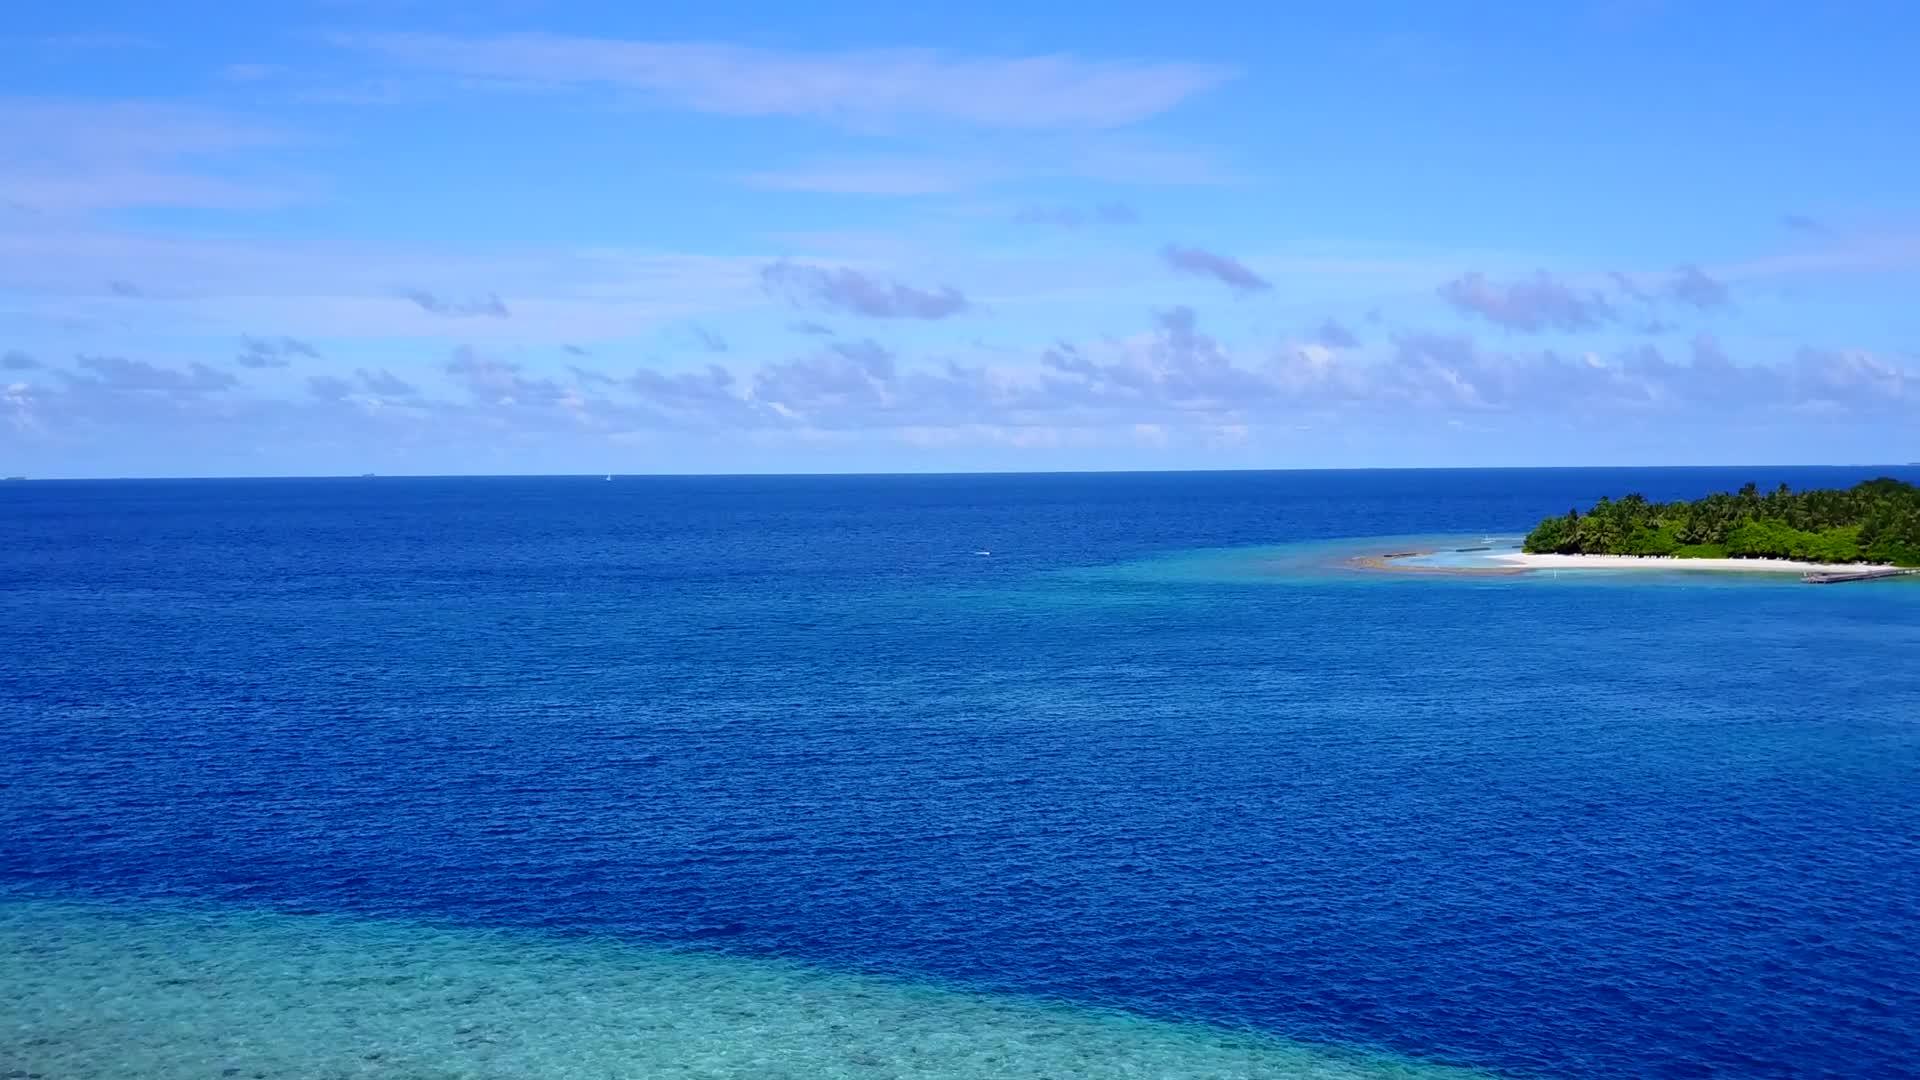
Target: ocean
column 955, row 776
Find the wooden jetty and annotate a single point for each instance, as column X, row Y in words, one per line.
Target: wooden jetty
column 1835, row 577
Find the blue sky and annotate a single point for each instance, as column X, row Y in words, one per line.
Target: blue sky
column 345, row 236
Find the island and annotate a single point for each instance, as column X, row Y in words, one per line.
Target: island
column 1876, row 523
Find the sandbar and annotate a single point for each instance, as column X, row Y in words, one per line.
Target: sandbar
column 1397, row 563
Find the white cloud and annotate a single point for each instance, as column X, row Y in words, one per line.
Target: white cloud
column 115, row 155
column 1175, row 387
column 230, row 286
column 856, row 88
column 904, row 176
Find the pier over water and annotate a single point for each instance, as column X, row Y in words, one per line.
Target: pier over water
column 1835, row 577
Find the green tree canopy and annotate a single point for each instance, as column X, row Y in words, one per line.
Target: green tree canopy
column 1877, row 521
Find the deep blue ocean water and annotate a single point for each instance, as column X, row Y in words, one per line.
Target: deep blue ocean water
column 1158, row 751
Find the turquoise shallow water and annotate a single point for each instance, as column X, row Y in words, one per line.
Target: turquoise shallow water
column 98, row 993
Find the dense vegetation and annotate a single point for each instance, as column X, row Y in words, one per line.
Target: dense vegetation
column 1877, row 521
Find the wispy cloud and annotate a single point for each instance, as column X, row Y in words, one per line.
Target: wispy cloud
column 1180, row 374
column 807, row 327
column 1108, row 157
column 1541, row 302
column 15, row 360
column 91, row 155
column 489, row 306
column 118, row 373
column 121, row 188
column 273, row 352
column 1074, row 217
column 233, row 283
column 844, row 379
column 709, row 340
column 1692, row 286
column 96, row 42
column 250, row 73
column 1545, row 302
column 1176, row 380
column 385, row 383
column 1224, row 269
column 502, row 383
column 1869, row 251
column 905, row 176
column 1630, row 288
column 1334, row 335
column 329, row 387
column 849, row 290
column 858, row 88
column 1853, row 378
column 1802, row 223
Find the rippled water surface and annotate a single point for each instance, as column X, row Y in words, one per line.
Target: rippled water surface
column 750, row 777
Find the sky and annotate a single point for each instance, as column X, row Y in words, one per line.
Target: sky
column 327, row 237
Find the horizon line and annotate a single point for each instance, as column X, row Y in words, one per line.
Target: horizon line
column 940, row 473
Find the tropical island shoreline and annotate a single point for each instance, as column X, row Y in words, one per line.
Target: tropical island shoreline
column 1761, row 564
column 1868, row 531
column 1509, row 563
column 1875, row 524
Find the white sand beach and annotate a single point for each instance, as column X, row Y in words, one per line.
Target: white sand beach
column 1650, row 562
